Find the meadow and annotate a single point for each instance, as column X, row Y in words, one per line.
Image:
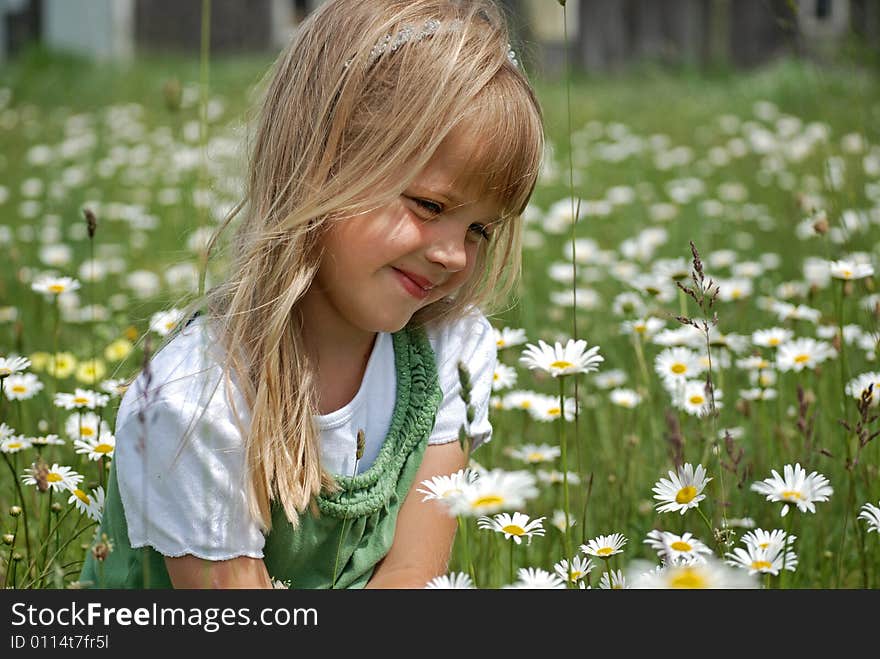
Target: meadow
column 712, row 236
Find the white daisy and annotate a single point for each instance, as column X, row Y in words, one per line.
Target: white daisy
column 694, row 399
column 681, row 491
column 81, row 399
column 536, row 453
column 674, row 548
column 771, row 338
column 47, row 440
column 508, row 337
column 56, row 477
column 756, row 560
column 786, row 311
column 514, row 527
column 504, row 377
column 6, row 431
column 610, row 379
column 605, row 546
column 617, row 581
column 446, row 487
column 546, row 408
column 99, row 447
column 713, row 574
column 859, row 385
column 796, row 487
column 765, row 539
column 554, row 477
column 451, row 581
column 493, row 491
column 10, row 365
column 558, row 519
column 758, row 393
column 89, row 504
column 536, row 578
column 163, row 322
column 675, row 365
column 643, row 327
column 85, row 426
column 580, row 567
column 801, row 353
column 850, row 270
column 14, row 444
column 51, row 285
column 519, row 400
column 22, row 386
column 559, row 360
column 871, row 514
column 622, row 397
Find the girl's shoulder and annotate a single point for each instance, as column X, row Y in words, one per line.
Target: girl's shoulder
column 188, row 371
column 469, row 339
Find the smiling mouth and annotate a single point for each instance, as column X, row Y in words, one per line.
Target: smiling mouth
column 414, row 285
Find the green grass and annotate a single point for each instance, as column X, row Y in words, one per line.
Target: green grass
column 620, row 452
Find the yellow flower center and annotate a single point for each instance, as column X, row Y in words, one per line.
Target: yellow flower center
column 696, row 399
column 495, row 377
column 688, row 578
column 14, row 446
column 82, row 496
column 500, row 343
column 103, row 448
column 681, row 545
column 641, row 328
column 513, row 529
column 764, row 545
column 576, row 574
column 554, row 411
column 53, row 477
column 736, row 294
column 773, row 341
column 56, row 288
column 761, row 565
column 792, row 495
column 86, row 431
column 678, row 369
column 488, row 500
column 19, row 389
column 847, row 273
column 526, row 404
column 534, row 456
column 800, row 359
column 80, row 400
column 686, row 494
column 170, row 324
column 604, row 551
column 561, row 365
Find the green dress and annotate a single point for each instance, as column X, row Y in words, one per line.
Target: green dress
column 358, row 521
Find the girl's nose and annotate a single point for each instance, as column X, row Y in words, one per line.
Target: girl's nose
column 447, row 248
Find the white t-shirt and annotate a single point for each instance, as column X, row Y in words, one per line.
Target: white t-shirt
column 191, row 497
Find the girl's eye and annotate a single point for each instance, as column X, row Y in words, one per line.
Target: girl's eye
column 479, row 231
column 431, row 206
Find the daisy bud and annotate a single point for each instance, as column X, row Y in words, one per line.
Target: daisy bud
column 820, row 226
column 361, row 444
column 91, row 221
column 56, row 507
column 16, row 557
column 102, row 549
column 8, row 538
column 15, row 511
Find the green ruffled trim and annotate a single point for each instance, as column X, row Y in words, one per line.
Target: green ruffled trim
column 415, row 409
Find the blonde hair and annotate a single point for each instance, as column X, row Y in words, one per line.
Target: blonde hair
column 335, row 125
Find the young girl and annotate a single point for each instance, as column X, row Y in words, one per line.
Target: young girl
column 281, row 434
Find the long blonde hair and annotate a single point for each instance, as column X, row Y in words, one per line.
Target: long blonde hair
column 336, row 124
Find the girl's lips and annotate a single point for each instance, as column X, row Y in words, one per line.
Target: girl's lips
column 411, row 283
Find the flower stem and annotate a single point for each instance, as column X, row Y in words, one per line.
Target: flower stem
column 462, row 527
column 564, row 455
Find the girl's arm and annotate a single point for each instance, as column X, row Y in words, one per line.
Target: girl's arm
column 240, row 572
column 425, row 530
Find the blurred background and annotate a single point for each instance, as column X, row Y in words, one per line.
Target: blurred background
column 604, row 35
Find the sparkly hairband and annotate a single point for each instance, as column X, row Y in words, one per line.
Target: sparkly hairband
column 407, row 34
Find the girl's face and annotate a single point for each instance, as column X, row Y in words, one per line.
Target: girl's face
column 380, row 267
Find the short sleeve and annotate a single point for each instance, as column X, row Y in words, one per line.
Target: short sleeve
column 180, row 466
column 471, row 341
